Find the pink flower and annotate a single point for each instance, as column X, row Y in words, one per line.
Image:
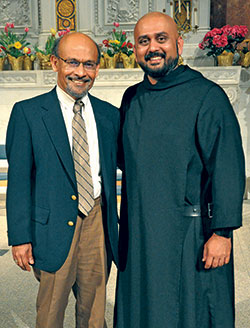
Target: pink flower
column 123, row 33
column 11, row 25
column 116, row 24
column 26, row 29
column 227, row 29
column 114, row 30
column 68, row 30
column 215, row 31
column 220, row 41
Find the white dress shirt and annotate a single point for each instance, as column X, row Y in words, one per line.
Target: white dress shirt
column 67, row 104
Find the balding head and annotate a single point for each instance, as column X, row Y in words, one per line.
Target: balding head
column 157, row 44
column 149, row 19
column 77, row 36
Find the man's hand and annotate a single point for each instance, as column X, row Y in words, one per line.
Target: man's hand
column 22, row 255
column 216, row 251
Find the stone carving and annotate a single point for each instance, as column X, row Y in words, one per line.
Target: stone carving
column 17, row 78
column 124, row 11
column 15, row 11
column 49, row 78
column 232, row 93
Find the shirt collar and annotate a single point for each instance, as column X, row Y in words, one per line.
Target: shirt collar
column 67, row 100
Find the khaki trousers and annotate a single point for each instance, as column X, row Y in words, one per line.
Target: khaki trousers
column 85, row 269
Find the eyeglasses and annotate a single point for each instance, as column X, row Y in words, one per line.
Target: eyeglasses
column 73, row 63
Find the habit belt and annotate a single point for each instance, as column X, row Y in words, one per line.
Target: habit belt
column 195, row 210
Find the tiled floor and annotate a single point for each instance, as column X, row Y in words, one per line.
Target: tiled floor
column 18, row 289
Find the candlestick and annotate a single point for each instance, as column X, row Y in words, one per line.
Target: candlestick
column 188, row 15
column 195, row 17
column 179, row 4
column 171, row 9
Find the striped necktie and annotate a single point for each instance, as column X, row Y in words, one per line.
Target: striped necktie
column 81, row 160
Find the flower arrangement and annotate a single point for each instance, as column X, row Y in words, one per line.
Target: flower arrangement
column 11, row 43
column 223, row 39
column 51, row 41
column 118, row 43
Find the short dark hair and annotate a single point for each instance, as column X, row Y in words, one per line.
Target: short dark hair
column 55, row 50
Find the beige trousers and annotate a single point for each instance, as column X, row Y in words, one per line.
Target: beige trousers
column 86, row 269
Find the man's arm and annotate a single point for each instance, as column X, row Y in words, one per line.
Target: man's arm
column 18, row 204
column 222, row 154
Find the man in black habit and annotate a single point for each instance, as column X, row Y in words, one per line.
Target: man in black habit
column 183, row 184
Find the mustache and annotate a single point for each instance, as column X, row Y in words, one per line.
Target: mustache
column 154, row 54
column 81, row 79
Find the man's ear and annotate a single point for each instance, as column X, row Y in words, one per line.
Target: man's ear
column 134, row 49
column 54, row 62
column 180, row 43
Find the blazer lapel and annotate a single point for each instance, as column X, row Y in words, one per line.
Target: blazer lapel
column 54, row 122
column 102, row 139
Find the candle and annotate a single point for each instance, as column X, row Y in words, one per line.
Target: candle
column 195, row 17
column 179, row 4
column 171, row 9
column 188, row 14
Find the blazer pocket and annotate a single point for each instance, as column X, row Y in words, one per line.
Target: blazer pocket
column 40, row 214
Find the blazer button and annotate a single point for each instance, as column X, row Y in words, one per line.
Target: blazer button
column 73, row 197
column 70, row 223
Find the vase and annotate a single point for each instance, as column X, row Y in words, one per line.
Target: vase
column 2, row 61
column 44, row 61
column 27, row 63
column 110, row 62
column 128, row 61
column 16, row 63
column 102, row 62
column 245, row 61
column 225, row 59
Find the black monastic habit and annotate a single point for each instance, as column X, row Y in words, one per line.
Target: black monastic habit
column 181, row 146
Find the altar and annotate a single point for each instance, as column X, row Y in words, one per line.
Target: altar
column 111, row 84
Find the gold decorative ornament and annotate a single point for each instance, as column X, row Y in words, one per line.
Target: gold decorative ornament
column 110, row 62
column 16, row 63
column 28, row 63
column 44, row 61
column 245, row 62
column 2, row 61
column 66, row 14
column 128, row 61
column 225, row 59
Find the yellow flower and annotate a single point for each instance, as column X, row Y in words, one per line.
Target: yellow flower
column 53, row 31
column 17, row 45
column 114, row 41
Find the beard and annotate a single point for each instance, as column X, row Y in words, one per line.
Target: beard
column 75, row 91
column 158, row 72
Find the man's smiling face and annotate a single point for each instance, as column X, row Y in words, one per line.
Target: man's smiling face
column 75, row 81
column 157, row 44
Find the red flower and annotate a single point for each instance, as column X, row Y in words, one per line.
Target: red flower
column 6, row 29
column 2, row 47
column 124, row 44
column 11, row 25
column 105, row 42
column 26, row 29
column 116, row 24
column 123, row 33
column 114, row 30
column 129, row 45
column 201, row 46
